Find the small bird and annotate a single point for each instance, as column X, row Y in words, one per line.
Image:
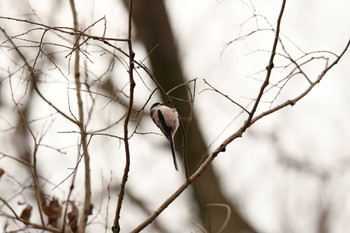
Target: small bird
column 167, row 120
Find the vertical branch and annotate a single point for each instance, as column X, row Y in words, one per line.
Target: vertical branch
column 116, row 225
column 71, row 188
column 80, row 123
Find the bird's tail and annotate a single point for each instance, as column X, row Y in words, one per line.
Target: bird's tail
column 173, row 153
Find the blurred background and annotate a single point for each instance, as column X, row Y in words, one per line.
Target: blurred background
column 289, row 171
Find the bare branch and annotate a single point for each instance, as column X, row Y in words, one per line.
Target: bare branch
column 64, row 30
column 81, row 123
column 269, row 66
column 226, row 96
column 116, row 226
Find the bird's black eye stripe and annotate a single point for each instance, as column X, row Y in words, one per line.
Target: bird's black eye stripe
column 154, row 105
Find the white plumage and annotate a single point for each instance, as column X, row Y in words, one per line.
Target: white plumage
column 167, row 120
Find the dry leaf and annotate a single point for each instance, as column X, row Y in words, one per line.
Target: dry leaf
column 26, row 212
column 73, row 217
column 2, row 172
column 53, row 211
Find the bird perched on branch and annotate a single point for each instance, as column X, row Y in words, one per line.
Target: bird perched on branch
column 167, row 120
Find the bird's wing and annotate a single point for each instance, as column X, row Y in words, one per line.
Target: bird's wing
column 163, row 127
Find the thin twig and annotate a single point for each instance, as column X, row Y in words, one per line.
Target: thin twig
column 65, row 30
column 116, row 225
column 25, row 222
column 184, row 129
column 222, row 228
column 292, row 102
column 33, row 167
column 81, row 124
column 71, row 188
column 269, row 66
column 226, row 96
column 22, row 161
column 32, row 78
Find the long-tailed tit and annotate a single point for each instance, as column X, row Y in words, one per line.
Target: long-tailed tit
column 167, row 120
